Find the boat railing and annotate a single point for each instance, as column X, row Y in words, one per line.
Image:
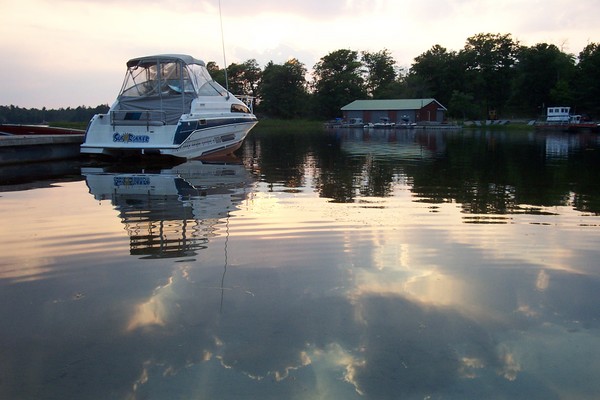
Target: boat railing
column 136, row 118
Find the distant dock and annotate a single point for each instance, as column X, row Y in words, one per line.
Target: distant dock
column 30, row 143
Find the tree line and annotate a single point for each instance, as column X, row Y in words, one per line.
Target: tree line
column 19, row 115
column 493, row 75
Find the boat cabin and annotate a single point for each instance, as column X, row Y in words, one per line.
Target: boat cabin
column 159, row 89
column 558, row 115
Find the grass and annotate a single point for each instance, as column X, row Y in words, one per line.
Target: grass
column 69, row 125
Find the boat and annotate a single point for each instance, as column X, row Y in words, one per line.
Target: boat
column 384, row 123
column 560, row 118
column 578, row 124
column 169, row 105
column 405, row 124
column 33, row 130
column 353, row 123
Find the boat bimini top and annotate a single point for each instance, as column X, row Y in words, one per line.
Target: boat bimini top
column 164, row 85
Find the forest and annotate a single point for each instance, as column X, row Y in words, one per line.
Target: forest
column 493, row 75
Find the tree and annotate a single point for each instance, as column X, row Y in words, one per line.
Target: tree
column 489, row 61
column 283, row 90
column 380, row 73
column 439, row 73
column 216, row 73
column 242, row 79
column 18, row 115
column 541, row 78
column 338, row 81
column 588, row 84
column 463, row 105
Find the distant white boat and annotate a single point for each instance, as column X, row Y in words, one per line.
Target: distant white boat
column 384, row 123
column 170, row 105
column 561, row 118
column 353, row 123
column 558, row 115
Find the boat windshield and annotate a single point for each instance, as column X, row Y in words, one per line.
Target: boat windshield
column 169, row 78
column 204, row 83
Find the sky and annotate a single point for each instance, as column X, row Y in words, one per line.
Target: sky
column 69, row 53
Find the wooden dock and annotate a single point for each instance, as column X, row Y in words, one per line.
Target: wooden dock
column 16, row 149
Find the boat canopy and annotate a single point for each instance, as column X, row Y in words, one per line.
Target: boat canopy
column 165, row 85
column 152, row 59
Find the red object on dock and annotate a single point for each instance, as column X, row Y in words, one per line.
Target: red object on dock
column 16, row 129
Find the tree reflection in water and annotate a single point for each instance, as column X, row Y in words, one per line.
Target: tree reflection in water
column 496, row 172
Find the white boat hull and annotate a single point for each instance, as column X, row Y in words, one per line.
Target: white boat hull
column 223, row 136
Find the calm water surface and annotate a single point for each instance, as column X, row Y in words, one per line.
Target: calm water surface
column 338, row 265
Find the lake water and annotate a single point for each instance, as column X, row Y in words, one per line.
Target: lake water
column 336, row 265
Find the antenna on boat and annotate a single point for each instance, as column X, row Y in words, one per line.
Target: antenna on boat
column 223, row 44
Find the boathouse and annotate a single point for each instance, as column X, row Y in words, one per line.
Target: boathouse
column 396, row 110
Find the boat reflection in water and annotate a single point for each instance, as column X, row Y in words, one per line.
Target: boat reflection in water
column 171, row 212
